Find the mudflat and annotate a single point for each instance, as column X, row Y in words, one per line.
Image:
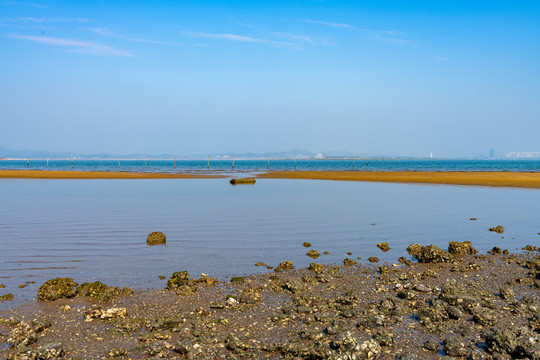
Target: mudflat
column 477, row 178
column 454, row 303
column 67, row 174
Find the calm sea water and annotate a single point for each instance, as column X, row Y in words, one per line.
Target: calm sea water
column 96, row 229
column 263, row 165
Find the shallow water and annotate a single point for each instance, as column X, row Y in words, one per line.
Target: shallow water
column 96, row 229
column 257, row 166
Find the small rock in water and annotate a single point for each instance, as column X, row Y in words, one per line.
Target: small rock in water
column 383, row 246
column 473, row 219
column 498, row 229
column 349, row 262
column 156, row 238
column 373, row 259
column 313, row 254
column 306, row 244
column 260, row 264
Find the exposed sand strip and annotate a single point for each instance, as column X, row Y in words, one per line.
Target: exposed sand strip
column 480, row 178
column 67, row 174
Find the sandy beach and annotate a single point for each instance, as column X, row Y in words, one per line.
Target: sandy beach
column 487, row 178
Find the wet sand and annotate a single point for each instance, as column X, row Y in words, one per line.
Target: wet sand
column 498, row 179
column 477, row 178
column 67, row 174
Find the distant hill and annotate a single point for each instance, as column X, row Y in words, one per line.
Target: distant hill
column 41, row 154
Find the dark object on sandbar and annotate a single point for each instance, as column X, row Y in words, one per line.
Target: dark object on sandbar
column 248, row 181
column 498, row 229
column 156, row 238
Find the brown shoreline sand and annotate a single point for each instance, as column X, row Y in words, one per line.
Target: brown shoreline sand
column 67, row 174
column 477, row 178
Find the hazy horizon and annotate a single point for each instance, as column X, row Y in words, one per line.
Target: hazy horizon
column 452, row 78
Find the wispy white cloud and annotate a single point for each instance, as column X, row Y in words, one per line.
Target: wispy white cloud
column 339, row 25
column 11, row 3
column 30, row 19
column 43, row 23
column 106, row 32
column 76, row 46
column 238, row 38
column 296, row 37
column 387, row 36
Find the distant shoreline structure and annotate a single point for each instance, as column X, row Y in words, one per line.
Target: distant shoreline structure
column 509, row 156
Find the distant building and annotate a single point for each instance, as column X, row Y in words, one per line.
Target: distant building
column 318, row 156
column 523, row 155
column 491, row 153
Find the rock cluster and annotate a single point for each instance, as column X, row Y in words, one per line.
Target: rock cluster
column 156, row 238
column 465, row 248
column 65, row 288
column 498, row 229
column 475, row 307
column 429, row 254
column 383, row 246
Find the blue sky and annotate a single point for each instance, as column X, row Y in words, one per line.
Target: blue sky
column 408, row 78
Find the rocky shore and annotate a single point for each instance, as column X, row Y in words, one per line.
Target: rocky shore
column 450, row 304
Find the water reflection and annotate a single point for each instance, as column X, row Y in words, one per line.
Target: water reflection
column 100, row 226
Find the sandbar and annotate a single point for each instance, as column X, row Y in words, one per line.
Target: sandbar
column 68, row 174
column 472, row 178
column 476, row 178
